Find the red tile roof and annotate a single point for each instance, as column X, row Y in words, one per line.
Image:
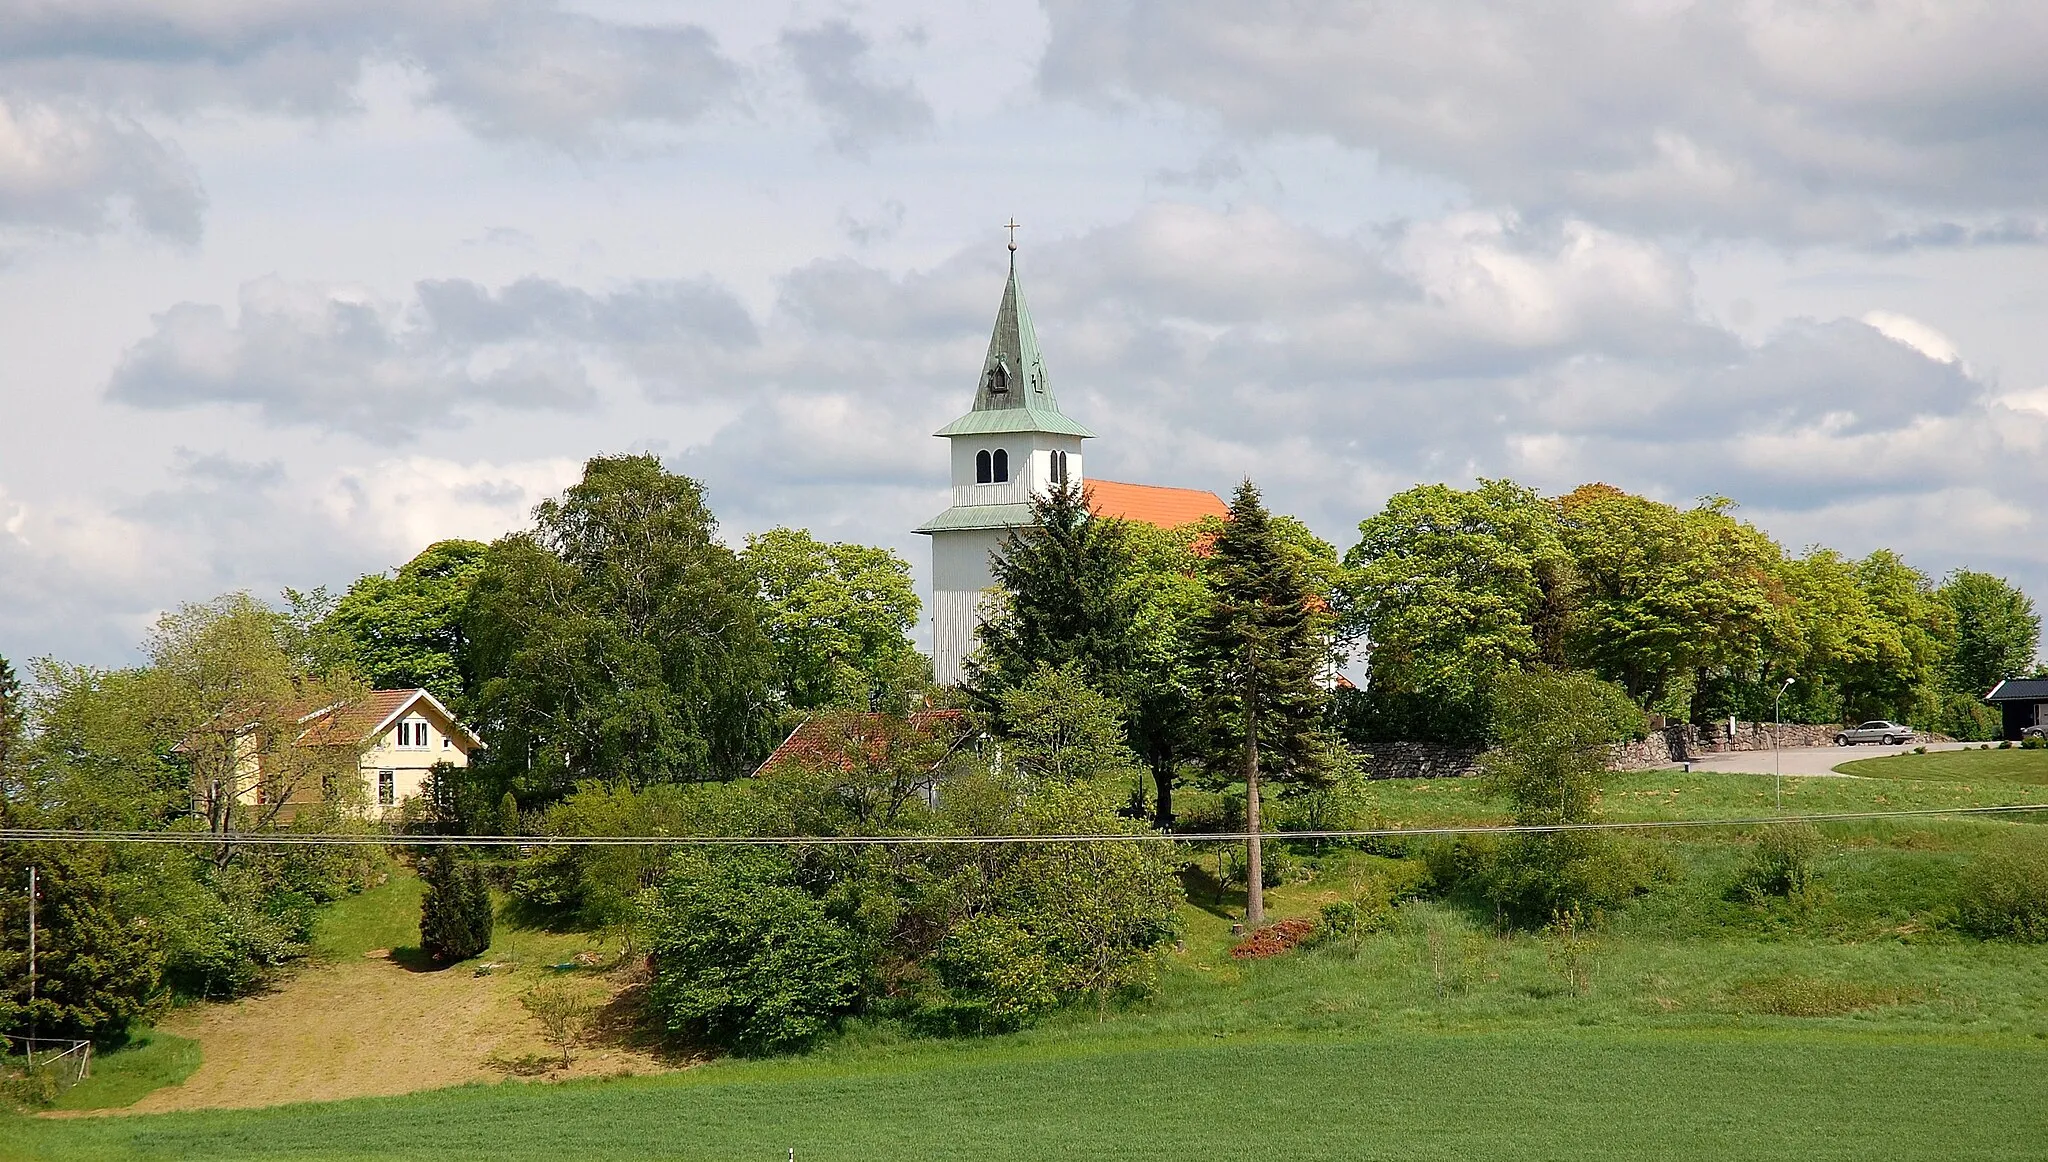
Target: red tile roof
column 813, row 739
column 356, row 723
column 1154, row 505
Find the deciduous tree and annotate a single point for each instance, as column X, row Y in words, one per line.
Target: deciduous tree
column 405, row 630
column 839, row 616
column 618, row 640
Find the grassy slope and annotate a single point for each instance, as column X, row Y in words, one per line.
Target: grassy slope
column 1437, row 1039
column 149, row 1061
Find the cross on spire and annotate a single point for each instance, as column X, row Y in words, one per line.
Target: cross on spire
column 1011, row 226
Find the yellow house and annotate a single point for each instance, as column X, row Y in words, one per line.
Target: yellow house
column 395, row 737
column 403, row 735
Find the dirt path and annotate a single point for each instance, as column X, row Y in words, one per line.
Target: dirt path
column 366, row 1028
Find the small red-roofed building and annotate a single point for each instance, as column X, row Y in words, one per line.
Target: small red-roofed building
column 1015, row 444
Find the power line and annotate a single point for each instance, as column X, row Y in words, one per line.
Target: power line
column 346, row 839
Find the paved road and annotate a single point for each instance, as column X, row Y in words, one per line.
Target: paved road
column 1807, row 760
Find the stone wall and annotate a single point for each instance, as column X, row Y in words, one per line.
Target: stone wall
column 1662, row 748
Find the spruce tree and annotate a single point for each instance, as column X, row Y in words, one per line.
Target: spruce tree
column 1262, row 650
column 1065, row 599
column 455, row 913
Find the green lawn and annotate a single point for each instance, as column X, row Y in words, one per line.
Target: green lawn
column 2018, row 765
column 1568, row 1094
column 150, row 1060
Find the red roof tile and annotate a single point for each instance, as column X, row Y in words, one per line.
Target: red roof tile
column 1154, row 505
column 813, row 740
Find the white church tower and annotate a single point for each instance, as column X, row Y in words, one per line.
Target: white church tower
column 1014, row 444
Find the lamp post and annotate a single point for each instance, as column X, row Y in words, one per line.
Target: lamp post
column 1777, row 778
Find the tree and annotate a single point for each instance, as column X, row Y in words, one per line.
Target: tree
column 1061, row 728
column 838, row 617
column 1666, row 594
column 1453, row 589
column 618, row 640
column 1553, row 729
column 1996, row 631
column 1263, row 643
column 98, row 966
column 743, row 958
column 11, row 720
column 406, row 630
column 222, row 683
column 456, row 918
column 1065, row 598
column 563, row 1012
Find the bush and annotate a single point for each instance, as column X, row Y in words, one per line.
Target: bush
column 2005, row 895
column 235, row 941
column 744, row 959
column 1455, row 863
column 455, row 913
column 1534, row 877
column 2034, row 742
column 1781, row 863
column 997, row 977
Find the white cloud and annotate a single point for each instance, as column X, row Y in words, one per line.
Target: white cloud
column 338, row 358
column 67, row 168
column 1915, row 334
column 1792, row 122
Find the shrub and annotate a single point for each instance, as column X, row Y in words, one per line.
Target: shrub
column 2034, row 742
column 1451, row 864
column 1781, row 863
column 2005, row 744
column 1346, row 922
column 744, row 959
column 1534, row 877
column 455, row 913
column 2005, row 895
column 997, row 976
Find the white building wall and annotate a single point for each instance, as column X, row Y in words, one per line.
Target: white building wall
column 960, row 575
column 1030, row 466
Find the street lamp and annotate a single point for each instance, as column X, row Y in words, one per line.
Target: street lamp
column 1777, row 778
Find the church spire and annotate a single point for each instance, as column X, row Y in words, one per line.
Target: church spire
column 1013, row 373
column 1013, row 393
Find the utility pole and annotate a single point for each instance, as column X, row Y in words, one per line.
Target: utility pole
column 31, row 962
column 1777, row 721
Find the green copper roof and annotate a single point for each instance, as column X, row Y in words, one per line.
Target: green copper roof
column 1013, row 392
column 1001, row 420
column 978, row 516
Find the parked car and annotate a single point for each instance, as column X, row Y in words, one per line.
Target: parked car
column 2034, row 732
column 1876, row 730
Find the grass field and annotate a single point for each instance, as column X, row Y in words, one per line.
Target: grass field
column 2015, row 766
column 1582, row 1094
column 1854, row 1022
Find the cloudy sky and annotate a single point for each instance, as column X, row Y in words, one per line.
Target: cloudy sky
column 291, row 288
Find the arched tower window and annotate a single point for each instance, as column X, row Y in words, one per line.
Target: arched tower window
column 1002, row 466
column 981, row 467
column 1059, row 468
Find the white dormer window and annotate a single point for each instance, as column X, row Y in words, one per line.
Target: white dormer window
column 412, row 734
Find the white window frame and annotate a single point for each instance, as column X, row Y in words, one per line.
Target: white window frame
column 387, row 788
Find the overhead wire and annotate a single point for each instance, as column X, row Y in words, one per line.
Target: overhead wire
column 368, row 839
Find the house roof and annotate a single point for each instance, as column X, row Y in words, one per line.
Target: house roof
column 812, row 740
column 1153, row 504
column 365, row 720
column 2019, row 690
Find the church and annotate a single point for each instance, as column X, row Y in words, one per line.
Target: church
column 1013, row 444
